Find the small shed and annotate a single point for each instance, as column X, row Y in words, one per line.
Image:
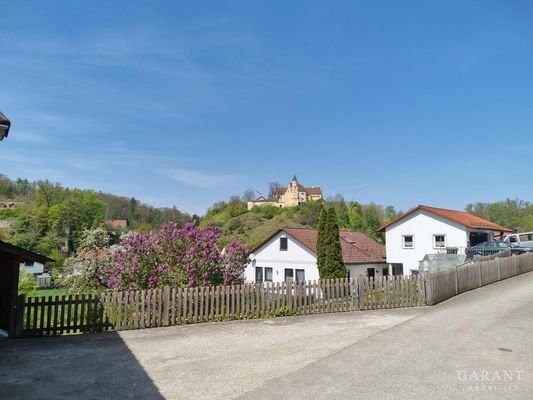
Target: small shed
column 10, row 259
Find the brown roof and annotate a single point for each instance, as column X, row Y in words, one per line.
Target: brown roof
column 23, row 254
column 310, row 191
column 463, row 218
column 313, row 191
column 357, row 248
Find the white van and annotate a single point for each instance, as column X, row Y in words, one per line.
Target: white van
column 524, row 239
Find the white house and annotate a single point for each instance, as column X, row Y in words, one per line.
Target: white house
column 34, row 268
column 429, row 230
column 290, row 254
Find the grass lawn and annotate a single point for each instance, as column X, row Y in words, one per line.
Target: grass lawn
column 52, row 292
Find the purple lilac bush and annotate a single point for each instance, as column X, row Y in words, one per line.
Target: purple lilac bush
column 174, row 256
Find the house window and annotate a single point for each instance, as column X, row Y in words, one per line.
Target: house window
column 397, row 269
column 408, row 242
column 268, row 274
column 283, row 244
column 439, row 241
column 259, row 274
column 300, row 275
column 289, row 274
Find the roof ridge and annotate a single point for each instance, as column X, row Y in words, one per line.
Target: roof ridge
column 366, row 253
column 483, row 223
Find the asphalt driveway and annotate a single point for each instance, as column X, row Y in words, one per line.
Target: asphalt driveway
column 391, row 354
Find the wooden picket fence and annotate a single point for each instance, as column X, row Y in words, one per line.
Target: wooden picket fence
column 99, row 312
column 42, row 316
column 445, row 284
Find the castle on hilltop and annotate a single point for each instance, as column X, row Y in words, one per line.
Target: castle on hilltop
column 294, row 195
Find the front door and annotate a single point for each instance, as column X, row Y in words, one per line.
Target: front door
column 371, row 272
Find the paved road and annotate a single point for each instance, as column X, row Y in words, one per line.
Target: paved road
column 478, row 345
column 422, row 353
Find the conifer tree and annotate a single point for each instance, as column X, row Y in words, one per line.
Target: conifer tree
column 320, row 243
column 335, row 263
column 329, row 250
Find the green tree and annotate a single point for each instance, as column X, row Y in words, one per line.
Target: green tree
column 336, row 266
column 321, row 236
column 27, row 285
column 331, row 264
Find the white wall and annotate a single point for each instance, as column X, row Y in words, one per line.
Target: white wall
column 361, row 269
column 422, row 225
column 297, row 256
column 36, row 268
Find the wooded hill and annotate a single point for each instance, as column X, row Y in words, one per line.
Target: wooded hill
column 49, row 218
column 252, row 227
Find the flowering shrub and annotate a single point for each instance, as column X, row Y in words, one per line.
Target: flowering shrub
column 83, row 272
column 174, row 256
column 234, row 260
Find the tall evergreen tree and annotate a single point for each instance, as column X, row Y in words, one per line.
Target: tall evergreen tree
column 321, row 239
column 329, row 250
column 335, row 264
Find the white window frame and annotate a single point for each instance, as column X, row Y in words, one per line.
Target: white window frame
column 403, row 242
column 271, row 274
column 287, row 243
column 435, row 241
column 262, row 274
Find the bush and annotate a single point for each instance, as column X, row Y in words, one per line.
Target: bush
column 83, row 272
column 174, row 256
column 27, row 285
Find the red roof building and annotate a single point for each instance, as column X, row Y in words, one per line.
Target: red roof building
column 426, row 230
column 290, row 253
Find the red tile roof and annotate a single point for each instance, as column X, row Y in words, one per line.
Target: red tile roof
column 309, row 190
column 357, row 248
column 313, row 191
column 470, row 221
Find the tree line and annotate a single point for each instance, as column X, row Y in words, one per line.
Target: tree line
column 49, row 218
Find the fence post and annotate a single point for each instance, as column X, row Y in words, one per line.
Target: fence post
column 289, row 296
column 499, row 268
column 356, row 286
column 428, row 287
column 456, row 281
column 480, row 280
column 19, row 315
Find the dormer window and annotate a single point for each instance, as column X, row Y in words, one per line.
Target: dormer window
column 283, row 244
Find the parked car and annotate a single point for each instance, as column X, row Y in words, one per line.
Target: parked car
column 495, row 246
column 524, row 239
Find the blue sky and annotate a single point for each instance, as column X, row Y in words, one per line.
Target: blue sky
column 175, row 103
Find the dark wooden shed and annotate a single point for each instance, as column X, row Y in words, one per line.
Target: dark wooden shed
column 10, row 259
